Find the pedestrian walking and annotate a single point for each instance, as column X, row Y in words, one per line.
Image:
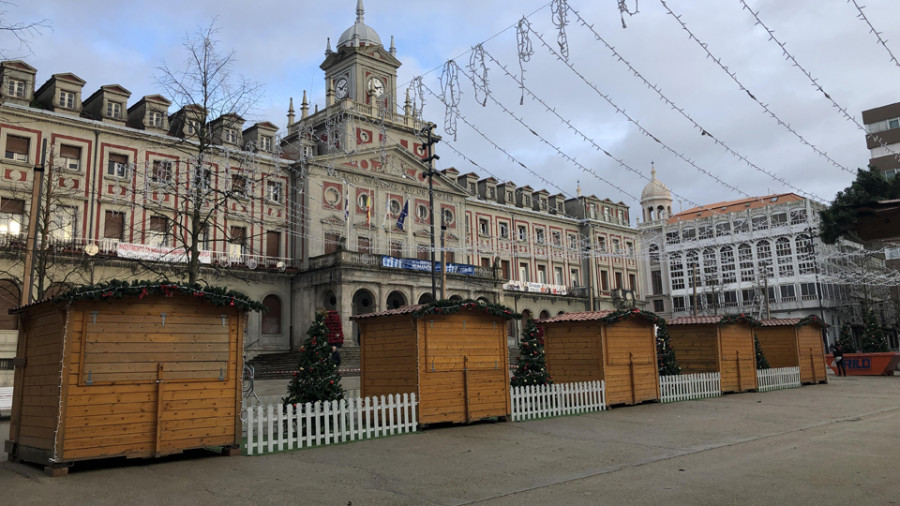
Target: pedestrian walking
column 838, row 353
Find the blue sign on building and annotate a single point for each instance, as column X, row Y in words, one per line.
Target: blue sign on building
column 425, row 265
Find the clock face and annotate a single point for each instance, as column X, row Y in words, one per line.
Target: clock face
column 341, row 88
column 376, row 86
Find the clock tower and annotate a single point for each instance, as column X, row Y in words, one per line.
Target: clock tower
column 360, row 69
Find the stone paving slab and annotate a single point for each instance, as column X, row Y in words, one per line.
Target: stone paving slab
column 831, row 443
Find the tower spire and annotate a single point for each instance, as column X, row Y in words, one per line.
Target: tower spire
column 290, row 114
column 304, row 107
column 360, row 11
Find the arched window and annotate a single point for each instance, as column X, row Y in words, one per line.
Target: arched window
column 727, row 256
column 271, row 319
column 745, row 258
column 545, row 314
column 676, row 271
column 785, row 257
column 805, row 259
column 654, row 253
column 764, row 258
column 693, row 264
column 710, row 267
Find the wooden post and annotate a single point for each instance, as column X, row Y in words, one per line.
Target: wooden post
column 812, row 363
column 159, row 408
column 37, row 188
column 466, row 386
column 740, row 383
column 631, row 371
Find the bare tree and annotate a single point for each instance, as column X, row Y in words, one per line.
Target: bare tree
column 207, row 89
column 22, row 31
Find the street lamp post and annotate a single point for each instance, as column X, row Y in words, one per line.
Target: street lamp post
column 429, row 160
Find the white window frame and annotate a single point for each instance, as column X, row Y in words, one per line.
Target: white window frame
column 114, row 109
column 18, row 157
column 16, row 88
column 67, row 99
column 155, row 119
column 274, row 192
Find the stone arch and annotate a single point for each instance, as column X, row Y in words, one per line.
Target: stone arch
column 329, row 300
column 396, row 299
column 270, row 322
column 363, row 303
column 544, row 314
column 456, row 298
column 425, row 298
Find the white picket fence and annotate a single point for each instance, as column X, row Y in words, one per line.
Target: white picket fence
column 276, row 427
column 531, row 402
column 684, row 387
column 6, row 394
column 777, row 378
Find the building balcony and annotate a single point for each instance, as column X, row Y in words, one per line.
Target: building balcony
column 357, row 259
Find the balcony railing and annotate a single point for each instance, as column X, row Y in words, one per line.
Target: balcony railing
column 356, row 259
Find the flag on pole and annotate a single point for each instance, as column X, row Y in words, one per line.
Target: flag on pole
column 403, row 214
column 368, row 210
column 387, row 212
column 347, row 204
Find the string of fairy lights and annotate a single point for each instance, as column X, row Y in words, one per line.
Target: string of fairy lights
column 477, row 72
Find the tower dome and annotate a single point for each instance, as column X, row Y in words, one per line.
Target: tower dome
column 656, row 199
column 360, row 33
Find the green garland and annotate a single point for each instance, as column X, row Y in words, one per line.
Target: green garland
column 739, row 318
column 621, row 314
column 811, row 320
column 118, row 289
column 448, row 306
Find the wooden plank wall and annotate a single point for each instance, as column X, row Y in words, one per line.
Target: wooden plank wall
column 696, row 347
column 388, row 362
column 464, row 367
column 629, row 354
column 779, row 344
column 126, row 411
column 812, row 354
column 36, row 401
column 736, row 341
column 573, row 351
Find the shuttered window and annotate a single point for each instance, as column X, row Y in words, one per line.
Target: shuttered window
column 12, row 206
column 114, row 226
column 273, row 244
column 17, row 148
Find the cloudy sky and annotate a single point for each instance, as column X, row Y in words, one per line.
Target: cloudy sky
column 588, row 119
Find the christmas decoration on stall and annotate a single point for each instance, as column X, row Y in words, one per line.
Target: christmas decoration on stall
column 317, row 378
column 665, row 354
column 118, row 289
column 845, row 339
column 761, row 362
column 531, row 366
column 812, row 320
column 621, row 314
column 872, row 340
column 739, row 318
column 449, row 306
column 334, row 328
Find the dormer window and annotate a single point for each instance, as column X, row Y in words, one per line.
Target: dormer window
column 490, row 193
column 66, row 99
column 114, row 110
column 192, row 127
column 265, row 143
column 230, row 135
column 16, row 88
column 155, row 119
column 509, row 196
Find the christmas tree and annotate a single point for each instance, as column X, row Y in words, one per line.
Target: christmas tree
column 317, row 378
column 872, row 340
column 846, row 339
column 761, row 362
column 334, row 328
column 665, row 354
column 531, row 367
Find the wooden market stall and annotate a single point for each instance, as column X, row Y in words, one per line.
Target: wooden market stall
column 618, row 347
column 794, row 342
column 140, row 371
column 722, row 344
column 451, row 354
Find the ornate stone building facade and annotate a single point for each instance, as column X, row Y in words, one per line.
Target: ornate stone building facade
column 302, row 220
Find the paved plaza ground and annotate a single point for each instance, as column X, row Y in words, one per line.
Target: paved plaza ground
column 821, row 444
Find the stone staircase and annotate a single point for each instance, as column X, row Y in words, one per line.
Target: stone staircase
column 283, row 365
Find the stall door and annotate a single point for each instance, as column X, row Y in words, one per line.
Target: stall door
column 738, row 359
column 466, row 374
column 153, row 381
column 631, row 372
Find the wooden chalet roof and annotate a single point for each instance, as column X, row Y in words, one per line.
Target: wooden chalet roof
column 779, row 322
column 695, row 320
column 390, row 312
column 582, row 316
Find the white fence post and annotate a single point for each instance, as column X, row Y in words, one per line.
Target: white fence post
column 533, row 401
column 682, row 387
